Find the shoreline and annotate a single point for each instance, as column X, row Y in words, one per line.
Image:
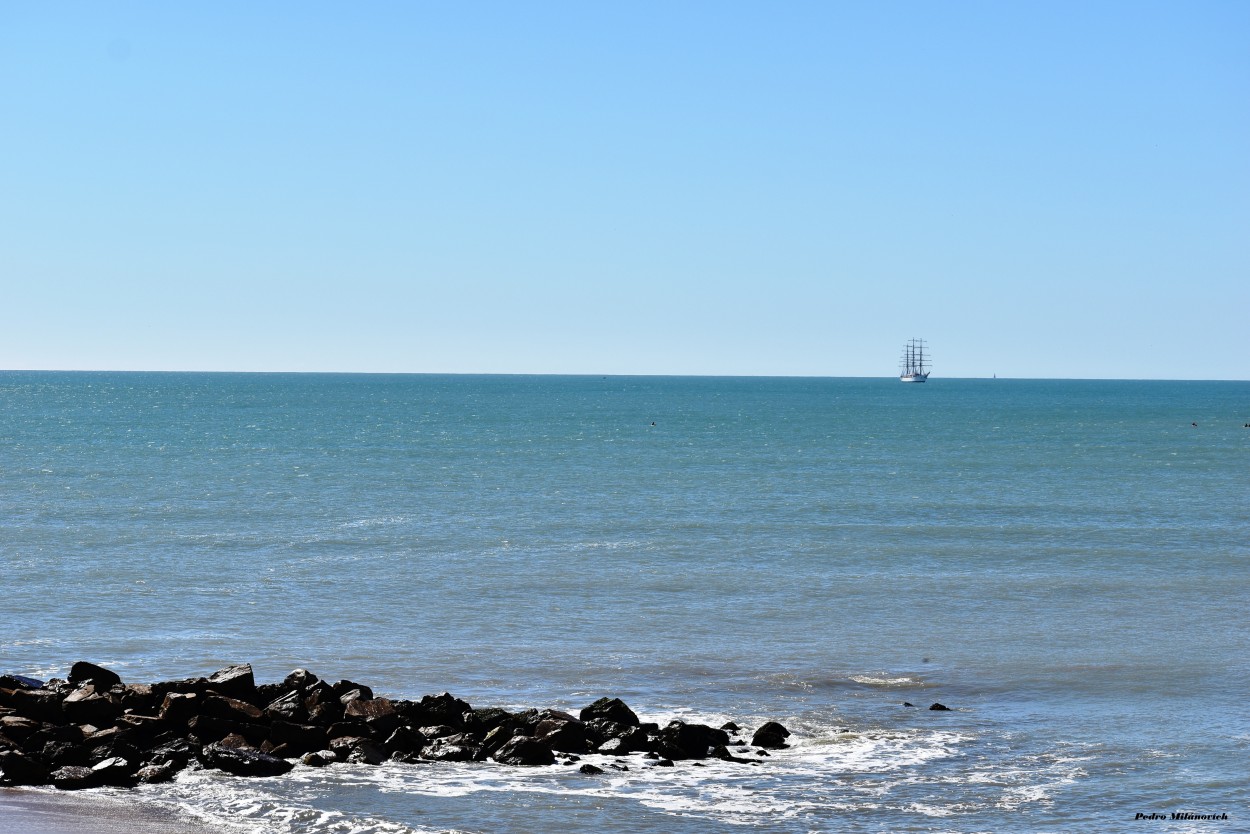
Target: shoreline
column 48, row 811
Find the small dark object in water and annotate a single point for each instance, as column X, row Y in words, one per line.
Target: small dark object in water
column 940, row 707
column 590, row 770
column 908, row 704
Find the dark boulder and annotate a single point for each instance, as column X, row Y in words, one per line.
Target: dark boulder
column 730, row 727
column 497, row 737
column 243, row 762
column 288, row 707
column 320, row 758
column 39, row 704
column 437, row 709
column 299, row 679
column 323, row 706
column 378, row 713
column 680, row 740
column 940, row 707
column 99, row 739
column 64, row 754
column 19, row 682
column 18, row 727
column 115, row 770
column 563, row 735
column 342, row 689
column 325, row 714
column 438, row 731
column 590, row 770
column 526, row 751
column 234, row 682
column 53, row 732
column 179, row 707
column 209, row 728
column 140, row 730
column 304, row 738
column 137, row 698
column 359, row 750
column 206, row 729
column 20, row 769
column 485, row 720
column 156, row 773
column 610, row 709
column 267, row 693
column 526, row 720
column 85, row 706
column 634, row 741
column 322, row 689
column 59, row 686
column 281, row 751
column 722, row 752
column 237, row 742
column 187, row 686
column 176, row 752
column 231, row 709
column 457, row 748
column 347, row 728
column 117, row 749
column 405, row 740
column 73, row 778
column 548, row 715
column 600, row 730
column 771, row 735
column 98, row 675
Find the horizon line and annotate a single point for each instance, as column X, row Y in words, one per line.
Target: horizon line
column 992, row 378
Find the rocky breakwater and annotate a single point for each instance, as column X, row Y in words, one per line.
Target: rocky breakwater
column 93, row 730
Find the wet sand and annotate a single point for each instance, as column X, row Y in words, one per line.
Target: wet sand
column 27, row 811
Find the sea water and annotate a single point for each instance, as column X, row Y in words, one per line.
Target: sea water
column 1065, row 564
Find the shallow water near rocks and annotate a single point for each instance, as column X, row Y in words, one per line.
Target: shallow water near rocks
column 1064, row 563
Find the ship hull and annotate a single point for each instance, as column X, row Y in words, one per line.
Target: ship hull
column 913, row 377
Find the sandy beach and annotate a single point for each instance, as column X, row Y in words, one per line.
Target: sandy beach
column 28, row 811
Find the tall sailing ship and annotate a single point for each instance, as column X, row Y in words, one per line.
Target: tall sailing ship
column 914, row 366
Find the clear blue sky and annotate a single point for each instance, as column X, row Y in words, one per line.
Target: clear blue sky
column 1038, row 189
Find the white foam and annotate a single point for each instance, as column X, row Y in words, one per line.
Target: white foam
column 898, row 681
column 836, row 771
column 228, row 804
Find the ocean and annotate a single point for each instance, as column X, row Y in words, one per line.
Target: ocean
column 1065, row 564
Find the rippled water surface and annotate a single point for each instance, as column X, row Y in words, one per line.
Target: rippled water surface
column 1064, row 563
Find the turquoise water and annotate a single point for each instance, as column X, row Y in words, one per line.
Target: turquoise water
column 1063, row 562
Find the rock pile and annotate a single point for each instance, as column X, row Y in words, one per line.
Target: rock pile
column 93, row 730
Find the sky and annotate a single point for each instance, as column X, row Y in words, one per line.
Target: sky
column 1056, row 189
